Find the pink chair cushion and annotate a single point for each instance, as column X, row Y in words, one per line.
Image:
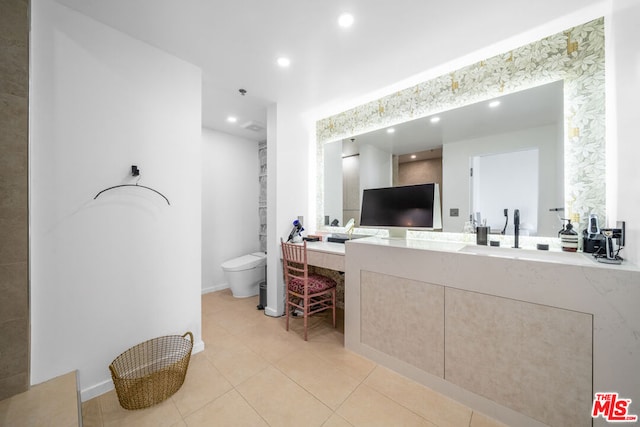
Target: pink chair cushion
column 317, row 283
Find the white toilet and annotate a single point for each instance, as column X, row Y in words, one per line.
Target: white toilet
column 245, row 273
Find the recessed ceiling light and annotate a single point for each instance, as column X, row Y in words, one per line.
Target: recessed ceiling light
column 232, row 119
column 435, row 119
column 413, row 156
column 345, row 20
column 494, row 104
column 391, row 130
column 284, row 62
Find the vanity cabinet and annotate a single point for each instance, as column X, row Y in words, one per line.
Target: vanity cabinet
column 526, row 342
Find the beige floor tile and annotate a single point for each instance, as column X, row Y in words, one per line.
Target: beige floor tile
column 481, row 420
column 113, row 415
column 239, row 366
column 235, row 319
column 222, row 297
column 251, row 304
column 425, row 402
column 247, row 307
column 210, row 302
column 322, row 379
column 228, row 410
column 91, row 413
column 211, row 331
column 336, row 421
column 271, row 342
column 333, row 339
column 203, row 384
column 347, row 361
column 282, row 402
column 367, row 407
column 330, row 336
column 319, row 325
column 216, row 301
column 222, row 346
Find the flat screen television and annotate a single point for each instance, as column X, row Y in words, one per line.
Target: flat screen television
column 407, row 207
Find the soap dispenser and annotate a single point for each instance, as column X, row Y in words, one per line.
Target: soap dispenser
column 568, row 237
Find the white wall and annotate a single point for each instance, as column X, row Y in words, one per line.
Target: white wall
column 291, row 166
column 230, row 191
column 507, row 180
column 351, row 192
column 455, row 175
column 624, row 70
column 376, row 168
column 109, row 273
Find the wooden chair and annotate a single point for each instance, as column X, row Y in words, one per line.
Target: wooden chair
column 310, row 293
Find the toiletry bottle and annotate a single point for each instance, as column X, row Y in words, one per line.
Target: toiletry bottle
column 568, row 238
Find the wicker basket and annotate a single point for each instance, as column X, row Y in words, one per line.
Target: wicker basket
column 152, row 371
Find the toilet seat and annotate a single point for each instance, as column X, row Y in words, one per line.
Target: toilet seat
column 245, row 262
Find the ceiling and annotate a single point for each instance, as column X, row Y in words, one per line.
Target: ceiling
column 236, row 44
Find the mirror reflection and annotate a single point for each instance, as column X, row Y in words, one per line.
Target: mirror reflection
column 505, row 153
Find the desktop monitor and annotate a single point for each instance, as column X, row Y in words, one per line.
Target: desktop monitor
column 407, row 207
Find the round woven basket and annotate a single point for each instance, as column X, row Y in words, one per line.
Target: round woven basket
column 152, row 371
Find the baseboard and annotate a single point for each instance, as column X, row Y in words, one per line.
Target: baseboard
column 215, row 288
column 197, row 347
column 96, row 390
column 271, row 312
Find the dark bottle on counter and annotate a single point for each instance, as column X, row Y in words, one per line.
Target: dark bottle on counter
column 569, row 238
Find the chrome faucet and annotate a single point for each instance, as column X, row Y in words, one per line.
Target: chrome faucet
column 516, row 227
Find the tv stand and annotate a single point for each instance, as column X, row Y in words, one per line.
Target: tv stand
column 397, row 233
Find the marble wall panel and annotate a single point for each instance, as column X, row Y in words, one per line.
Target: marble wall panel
column 404, row 319
column 532, row 358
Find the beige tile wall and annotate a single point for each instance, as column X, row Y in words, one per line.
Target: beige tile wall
column 14, row 294
column 420, row 172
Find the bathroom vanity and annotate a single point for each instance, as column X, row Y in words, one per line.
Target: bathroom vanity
column 326, row 255
column 525, row 336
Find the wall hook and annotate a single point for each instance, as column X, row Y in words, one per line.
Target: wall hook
column 134, row 172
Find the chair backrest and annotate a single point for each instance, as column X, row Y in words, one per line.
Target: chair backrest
column 294, row 260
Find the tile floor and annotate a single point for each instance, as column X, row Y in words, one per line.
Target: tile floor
column 52, row 403
column 255, row 373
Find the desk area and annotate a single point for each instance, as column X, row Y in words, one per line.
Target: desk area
column 327, row 255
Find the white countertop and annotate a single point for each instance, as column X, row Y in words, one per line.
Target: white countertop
column 551, row 256
column 328, row 247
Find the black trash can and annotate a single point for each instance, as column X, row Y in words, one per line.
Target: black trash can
column 263, row 295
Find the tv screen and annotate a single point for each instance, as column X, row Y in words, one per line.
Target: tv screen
column 410, row 206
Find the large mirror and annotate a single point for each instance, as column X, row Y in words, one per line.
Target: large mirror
column 547, row 151
column 503, row 153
